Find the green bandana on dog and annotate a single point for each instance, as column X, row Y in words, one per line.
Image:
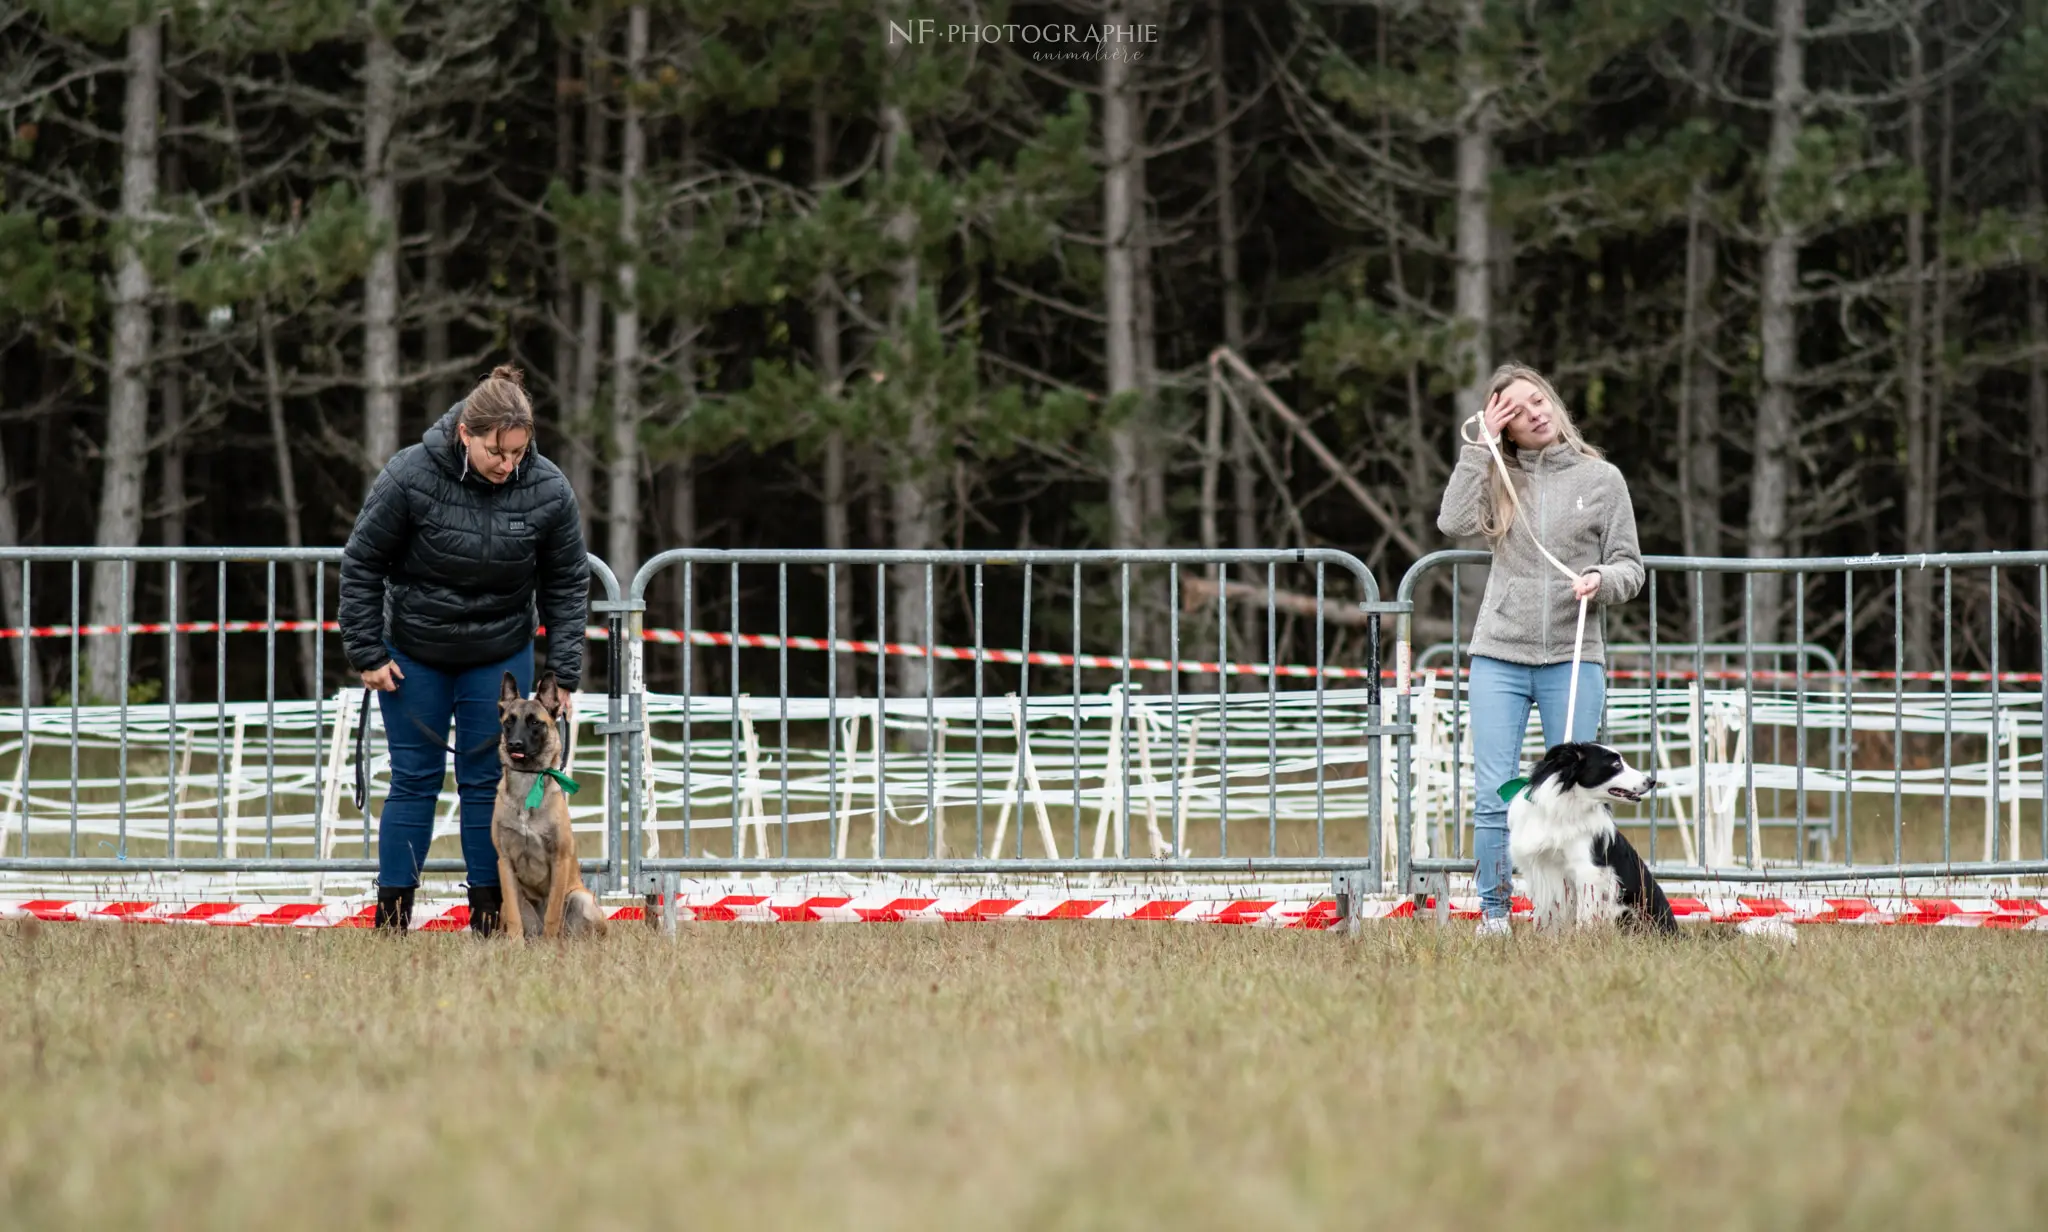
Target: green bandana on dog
column 540, row 784
column 1508, row 790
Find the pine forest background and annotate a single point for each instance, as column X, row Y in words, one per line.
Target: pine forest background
column 779, row 279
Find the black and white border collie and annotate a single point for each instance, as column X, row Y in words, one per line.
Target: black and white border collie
column 1580, row 870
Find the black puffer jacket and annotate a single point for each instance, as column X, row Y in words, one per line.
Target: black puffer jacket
column 448, row 566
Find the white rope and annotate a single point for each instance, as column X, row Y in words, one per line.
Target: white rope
column 1492, row 444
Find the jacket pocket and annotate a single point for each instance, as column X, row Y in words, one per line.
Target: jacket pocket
column 1502, row 596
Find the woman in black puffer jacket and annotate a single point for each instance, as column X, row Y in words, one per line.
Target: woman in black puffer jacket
column 462, row 537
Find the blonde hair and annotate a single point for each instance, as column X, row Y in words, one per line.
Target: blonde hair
column 1499, row 515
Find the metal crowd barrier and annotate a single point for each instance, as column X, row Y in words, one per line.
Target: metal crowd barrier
column 1200, row 766
column 1210, row 718
column 104, row 780
column 1876, row 729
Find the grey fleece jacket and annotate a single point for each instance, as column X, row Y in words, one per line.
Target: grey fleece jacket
column 1579, row 507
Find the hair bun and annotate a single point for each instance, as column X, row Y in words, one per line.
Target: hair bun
column 506, row 372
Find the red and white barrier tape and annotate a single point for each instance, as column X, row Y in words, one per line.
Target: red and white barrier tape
column 2026, row 914
column 1037, row 658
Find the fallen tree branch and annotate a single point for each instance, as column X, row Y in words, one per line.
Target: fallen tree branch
column 1379, row 512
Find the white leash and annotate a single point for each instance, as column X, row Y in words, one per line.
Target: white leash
column 1492, row 444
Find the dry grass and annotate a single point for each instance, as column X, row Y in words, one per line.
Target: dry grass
column 1019, row 1076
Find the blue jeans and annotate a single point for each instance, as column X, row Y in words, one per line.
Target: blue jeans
column 418, row 765
column 1501, row 695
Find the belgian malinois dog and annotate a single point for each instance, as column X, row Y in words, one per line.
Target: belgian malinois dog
column 543, row 888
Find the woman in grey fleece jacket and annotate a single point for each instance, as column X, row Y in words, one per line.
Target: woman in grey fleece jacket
column 1577, row 505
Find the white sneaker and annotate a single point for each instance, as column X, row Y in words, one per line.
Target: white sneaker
column 1494, row 926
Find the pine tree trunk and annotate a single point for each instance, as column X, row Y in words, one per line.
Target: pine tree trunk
column 1920, row 476
column 171, row 394
column 1473, row 304
column 682, row 494
column 289, row 511
column 126, row 449
column 1699, row 399
column 1154, row 448
column 827, row 354
column 623, row 464
column 914, row 504
column 10, row 589
column 1120, row 204
column 581, row 466
column 287, row 491
column 1937, row 387
column 1475, row 154
column 1244, row 478
column 1423, row 473
column 2037, row 371
column 1770, row 483
column 380, row 281
column 682, row 530
column 441, row 386
column 564, row 445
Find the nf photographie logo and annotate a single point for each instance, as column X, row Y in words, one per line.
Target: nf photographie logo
column 1041, row 41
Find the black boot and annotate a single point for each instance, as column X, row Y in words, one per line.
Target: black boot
column 486, row 903
column 394, row 909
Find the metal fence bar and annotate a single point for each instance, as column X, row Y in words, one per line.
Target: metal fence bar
column 1899, row 720
column 1749, row 719
column 1457, row 721
column 980, row 721
column 1991, row 754
column 121, row 690
column 831, row 701
column 74, row 707
column 933, row 807
column 732, row 613
column 1272, row 717
column 171, row 719
column 1656, row 718
column 1948, row 687
column 1319, row 708
column 1798, row 724
column 1223, row 711
column 1173, row 683
column 28, row 669
column 1075, row 724
column 1024, row 704
column 269, row 707
column 689, row 700
column 1126, row 740
column 782, row 690
column 1849, row 704
column 1699, row 713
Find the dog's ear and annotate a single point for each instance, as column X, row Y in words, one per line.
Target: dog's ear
column 508, row 690
column 1561, row 762
column 548, row 693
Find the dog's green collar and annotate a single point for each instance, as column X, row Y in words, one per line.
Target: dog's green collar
column 540, row 784
column 1509, row 790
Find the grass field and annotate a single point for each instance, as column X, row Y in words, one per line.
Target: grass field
column 1020, row 1076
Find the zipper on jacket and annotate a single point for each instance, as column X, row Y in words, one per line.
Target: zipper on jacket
column 1543, row 536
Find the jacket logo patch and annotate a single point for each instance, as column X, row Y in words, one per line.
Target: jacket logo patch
column 516, row 524
column 1581, row 503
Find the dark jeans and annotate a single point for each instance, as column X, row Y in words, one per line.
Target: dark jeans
column 418, row 765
